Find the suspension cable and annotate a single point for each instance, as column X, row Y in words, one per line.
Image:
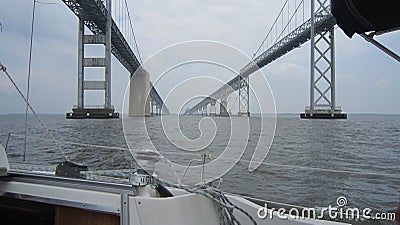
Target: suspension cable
column 274, row 26
column 133, row 32
column 288, row 24
column 270, row 30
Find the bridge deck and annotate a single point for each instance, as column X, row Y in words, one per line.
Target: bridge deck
column 291, row 41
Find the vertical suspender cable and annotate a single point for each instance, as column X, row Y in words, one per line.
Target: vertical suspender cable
column 119, row 15
column 133, row 33
column 29, row 77
column 303, row 12
column 295, row 19
column 288, row 17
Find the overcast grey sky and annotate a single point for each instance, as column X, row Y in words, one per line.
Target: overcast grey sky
column 367, row 79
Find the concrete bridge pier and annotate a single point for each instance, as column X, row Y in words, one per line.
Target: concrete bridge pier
column 223, row 106
column 213, row 109
column 155, row 108
column 139, row 94
column 158, row 110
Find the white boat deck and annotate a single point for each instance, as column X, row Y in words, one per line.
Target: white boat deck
column 125, row 201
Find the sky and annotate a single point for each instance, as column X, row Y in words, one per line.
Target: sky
column 367, row 80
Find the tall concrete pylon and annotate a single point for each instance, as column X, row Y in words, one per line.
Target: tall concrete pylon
column 223, row 108
column 139, row 93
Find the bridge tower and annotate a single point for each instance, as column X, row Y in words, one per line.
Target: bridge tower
column 323, row 83
column 81, row 110
column 223, row 107
column 244, row 101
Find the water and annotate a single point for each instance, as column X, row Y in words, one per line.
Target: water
column 363, row 143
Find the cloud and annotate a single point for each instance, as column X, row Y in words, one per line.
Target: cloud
column 381, row 82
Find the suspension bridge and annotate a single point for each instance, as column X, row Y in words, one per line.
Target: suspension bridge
column 288, row 32
column 112, row 27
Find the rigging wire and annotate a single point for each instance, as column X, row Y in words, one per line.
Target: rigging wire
column 29, row 76
column 30, row 67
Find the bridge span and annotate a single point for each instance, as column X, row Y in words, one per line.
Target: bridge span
column 96, row 16
column 319, row 28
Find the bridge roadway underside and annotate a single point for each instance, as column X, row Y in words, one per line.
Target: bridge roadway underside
column 293, row 40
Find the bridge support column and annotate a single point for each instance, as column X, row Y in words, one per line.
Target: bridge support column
column 81, row 49
column 213, row 110
column 139, row 94
column 155, row 108
column 244, row 107
column 158, row 109
column 107, row 77
column 322, row 85
column 80, row 111
column 223, row 107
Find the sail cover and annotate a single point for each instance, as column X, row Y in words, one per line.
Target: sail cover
column 360, row 16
